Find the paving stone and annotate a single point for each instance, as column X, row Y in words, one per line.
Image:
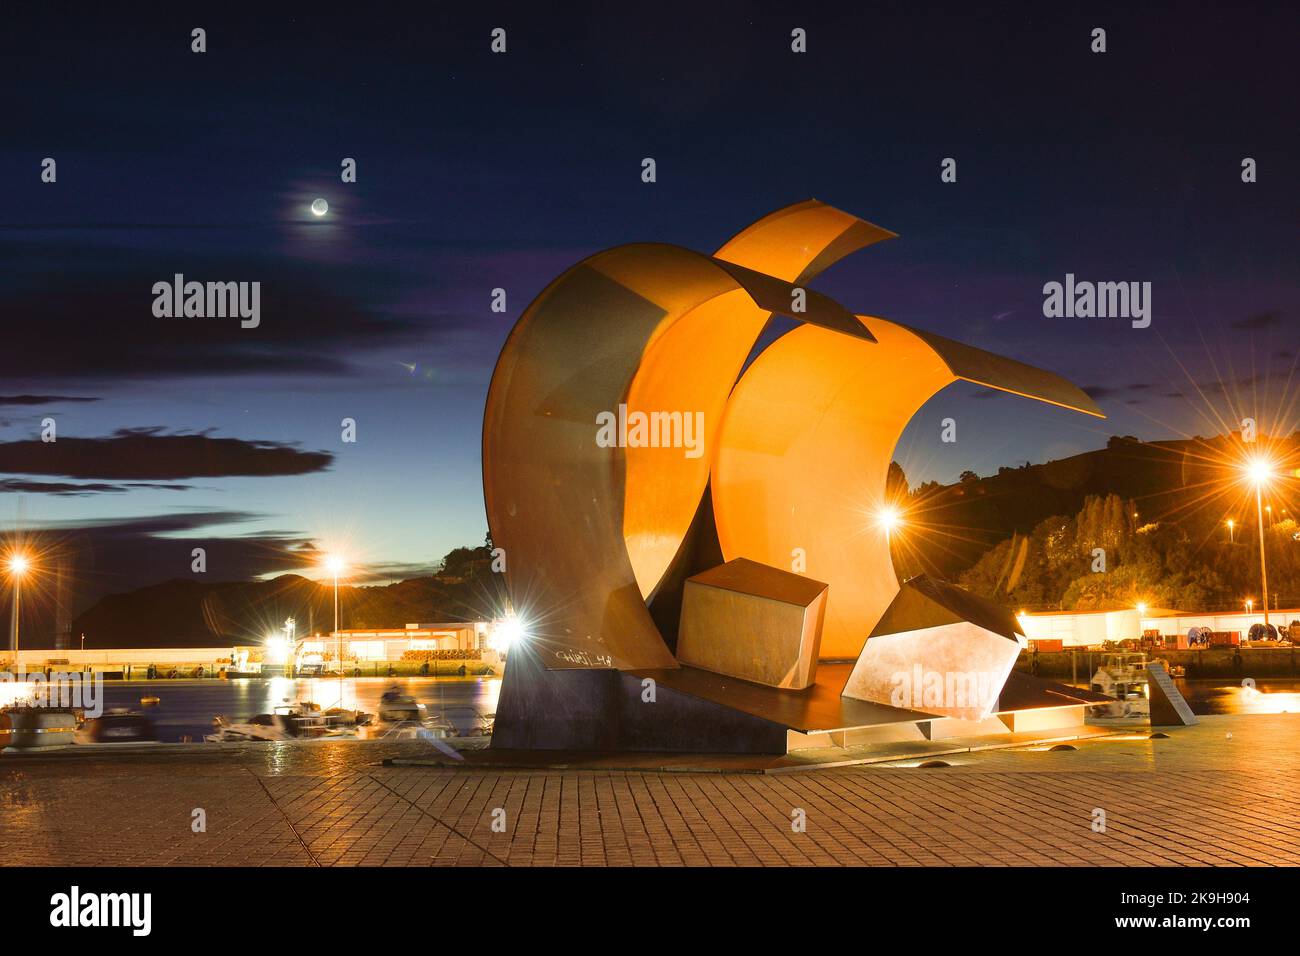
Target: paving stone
column 1194, row 799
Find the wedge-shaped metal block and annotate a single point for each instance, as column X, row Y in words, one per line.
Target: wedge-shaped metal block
column 1169, row 708
column 753, row 622
column 938, row 649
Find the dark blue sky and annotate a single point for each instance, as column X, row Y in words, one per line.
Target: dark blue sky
column 478, row 170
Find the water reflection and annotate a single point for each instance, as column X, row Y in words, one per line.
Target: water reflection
column 1241, row 697
column 186, row 708
column 14, row 692
column 1256, row 701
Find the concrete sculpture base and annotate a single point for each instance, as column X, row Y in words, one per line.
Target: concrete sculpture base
column 687, row 710
column 604, row 710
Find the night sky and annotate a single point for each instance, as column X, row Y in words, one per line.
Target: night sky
column 478, row 170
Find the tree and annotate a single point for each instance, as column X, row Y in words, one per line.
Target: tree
column 463, row 562
column 895, row 483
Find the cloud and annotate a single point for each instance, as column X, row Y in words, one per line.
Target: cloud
column 385, row 572
column 114, row 555
column 149, row 454
column 1101, row 391
column 1260, row 320
column 109, row 556
column 69, row 489
column 43, row 399
column 1241, row 388
column 149, row 525
column 93, row 318
column 1111, row 391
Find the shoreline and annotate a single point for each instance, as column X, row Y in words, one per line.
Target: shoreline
column 1210, row 664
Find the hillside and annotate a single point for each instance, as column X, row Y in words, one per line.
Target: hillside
column 1193, row 481
column 1184, row 486
column 185, row 613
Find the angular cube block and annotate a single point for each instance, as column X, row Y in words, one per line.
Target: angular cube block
column 753, row 622
column 940, row 650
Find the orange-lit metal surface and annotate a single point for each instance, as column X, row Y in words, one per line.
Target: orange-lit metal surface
column 651, row 329
column 805, row 447
column 796, row 454
column 588, row 530
column 694, row 362
column 799, row 242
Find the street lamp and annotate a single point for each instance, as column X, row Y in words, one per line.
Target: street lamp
column 507, row 632
column 888, row 520
column 336, row 566
column 1231, row 524
column 290, row 626
column 1260, row 471
column 18, row 565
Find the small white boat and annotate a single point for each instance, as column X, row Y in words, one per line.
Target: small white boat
column 468, row 721
column 428, row 728
column 1123, row 676
column 302, row 721
column 117, row 726
column 395, row 707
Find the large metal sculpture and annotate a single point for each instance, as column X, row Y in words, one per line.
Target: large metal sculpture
column 626, row 446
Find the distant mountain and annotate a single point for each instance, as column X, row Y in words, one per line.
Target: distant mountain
column 190, row 613
column 1190, row 480
column 951, row 528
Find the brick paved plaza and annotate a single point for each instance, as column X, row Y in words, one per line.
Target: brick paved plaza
column 1220, row 793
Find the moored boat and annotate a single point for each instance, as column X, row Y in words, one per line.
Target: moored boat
column 298, row 721
column 395, row 707
column 117, row 726
column 1123, row 676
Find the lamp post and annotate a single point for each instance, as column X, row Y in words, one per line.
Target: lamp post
column 1231, row 524
column 291, row 659
column 17, row 568
column 1260, row 472
column 1263, row 566
column 336, row 566
column 888, row 519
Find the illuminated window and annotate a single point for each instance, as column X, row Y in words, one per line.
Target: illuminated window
column 367, row 650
